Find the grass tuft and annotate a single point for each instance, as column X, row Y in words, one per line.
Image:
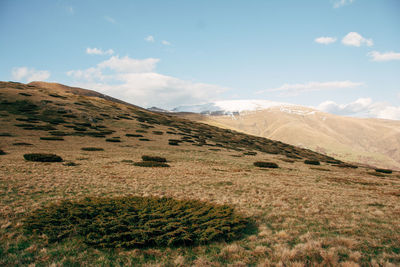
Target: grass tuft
column 92, row 149
column 311, row 162
column 42, row 157
column 151, row 164
column 52, row 138
column 153, row 158
column 137, row 222
column 384, row 171
column 264, row 164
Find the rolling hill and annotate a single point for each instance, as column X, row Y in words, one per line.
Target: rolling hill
column 306, row 208
column 374, row 142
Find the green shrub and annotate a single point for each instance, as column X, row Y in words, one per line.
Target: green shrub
column 384, row 171
column 173, row 143
column 264, row 164
column 41, row 157
column 144, row 139
column 113, row 140
column 154, row 158
column 141, row 131
column 250, row 153
column 346, row 165
column 5, row 134
column 58, row 133
column 150, row 164
column 158, row 132
column 52, row 138
column 311, row 162
column 22, row 144
column 137, row 222
column 2, row 152
column 92, row 149
column 133, row 135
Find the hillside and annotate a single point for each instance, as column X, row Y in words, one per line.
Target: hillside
column 374, row 142
column 327, row 214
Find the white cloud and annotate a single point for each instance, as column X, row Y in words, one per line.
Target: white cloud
column 29, row 74
column 150, row 39
column 296, row 89
column 362, row 107
column 325, row 40
column 137, row 82
column 387, row 56
column 340, row 3
column 98, row 51
column 165, row 42
column 355, row 39
column 110, row 19
column 129, row 65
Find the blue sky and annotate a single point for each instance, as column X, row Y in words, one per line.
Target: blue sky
column 342, row 56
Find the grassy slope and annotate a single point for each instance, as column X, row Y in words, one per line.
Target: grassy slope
column 369, row 141
column 305, row 214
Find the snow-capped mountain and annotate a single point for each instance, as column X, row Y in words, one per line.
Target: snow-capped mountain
column 226, row 107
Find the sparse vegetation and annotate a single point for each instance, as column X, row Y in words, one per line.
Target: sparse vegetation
column 137, row 222
column 2, row 152
column 154, row 158
column 133, row 135
column 151, row 164
column 92, row 149
column 311, row 162
column 22, row 144
column 265, row 164
column 384, row 171
column 250, row 153
column 52, row 138
column 41, row 157
column 115, row 140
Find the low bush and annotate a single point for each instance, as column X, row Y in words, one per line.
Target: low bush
column 250, row 153
column 22, row 144
column 41, row 157
column 158, row 132
column 5, row 134
column 311, row 162
column 384, row 171
column 153, row 158
column 58, row 133
column 133, row 135
column 2, row 152
column 173, row 143
column 150, row 164
column 346, row 165
column 144, row 139
column 132, row 222
column 92, row 149
column 52, row 138
column 264, row 164
column 113, row 140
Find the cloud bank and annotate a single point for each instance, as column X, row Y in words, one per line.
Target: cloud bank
column 387, row 56
column 25, row 74
column 298, row 88
column 136, row 81
column 362, row 107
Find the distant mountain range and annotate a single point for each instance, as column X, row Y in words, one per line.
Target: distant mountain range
column 369, row 141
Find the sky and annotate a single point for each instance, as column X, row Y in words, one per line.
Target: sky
column 341, row 56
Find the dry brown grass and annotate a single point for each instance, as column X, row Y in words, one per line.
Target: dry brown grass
column 305, row 216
